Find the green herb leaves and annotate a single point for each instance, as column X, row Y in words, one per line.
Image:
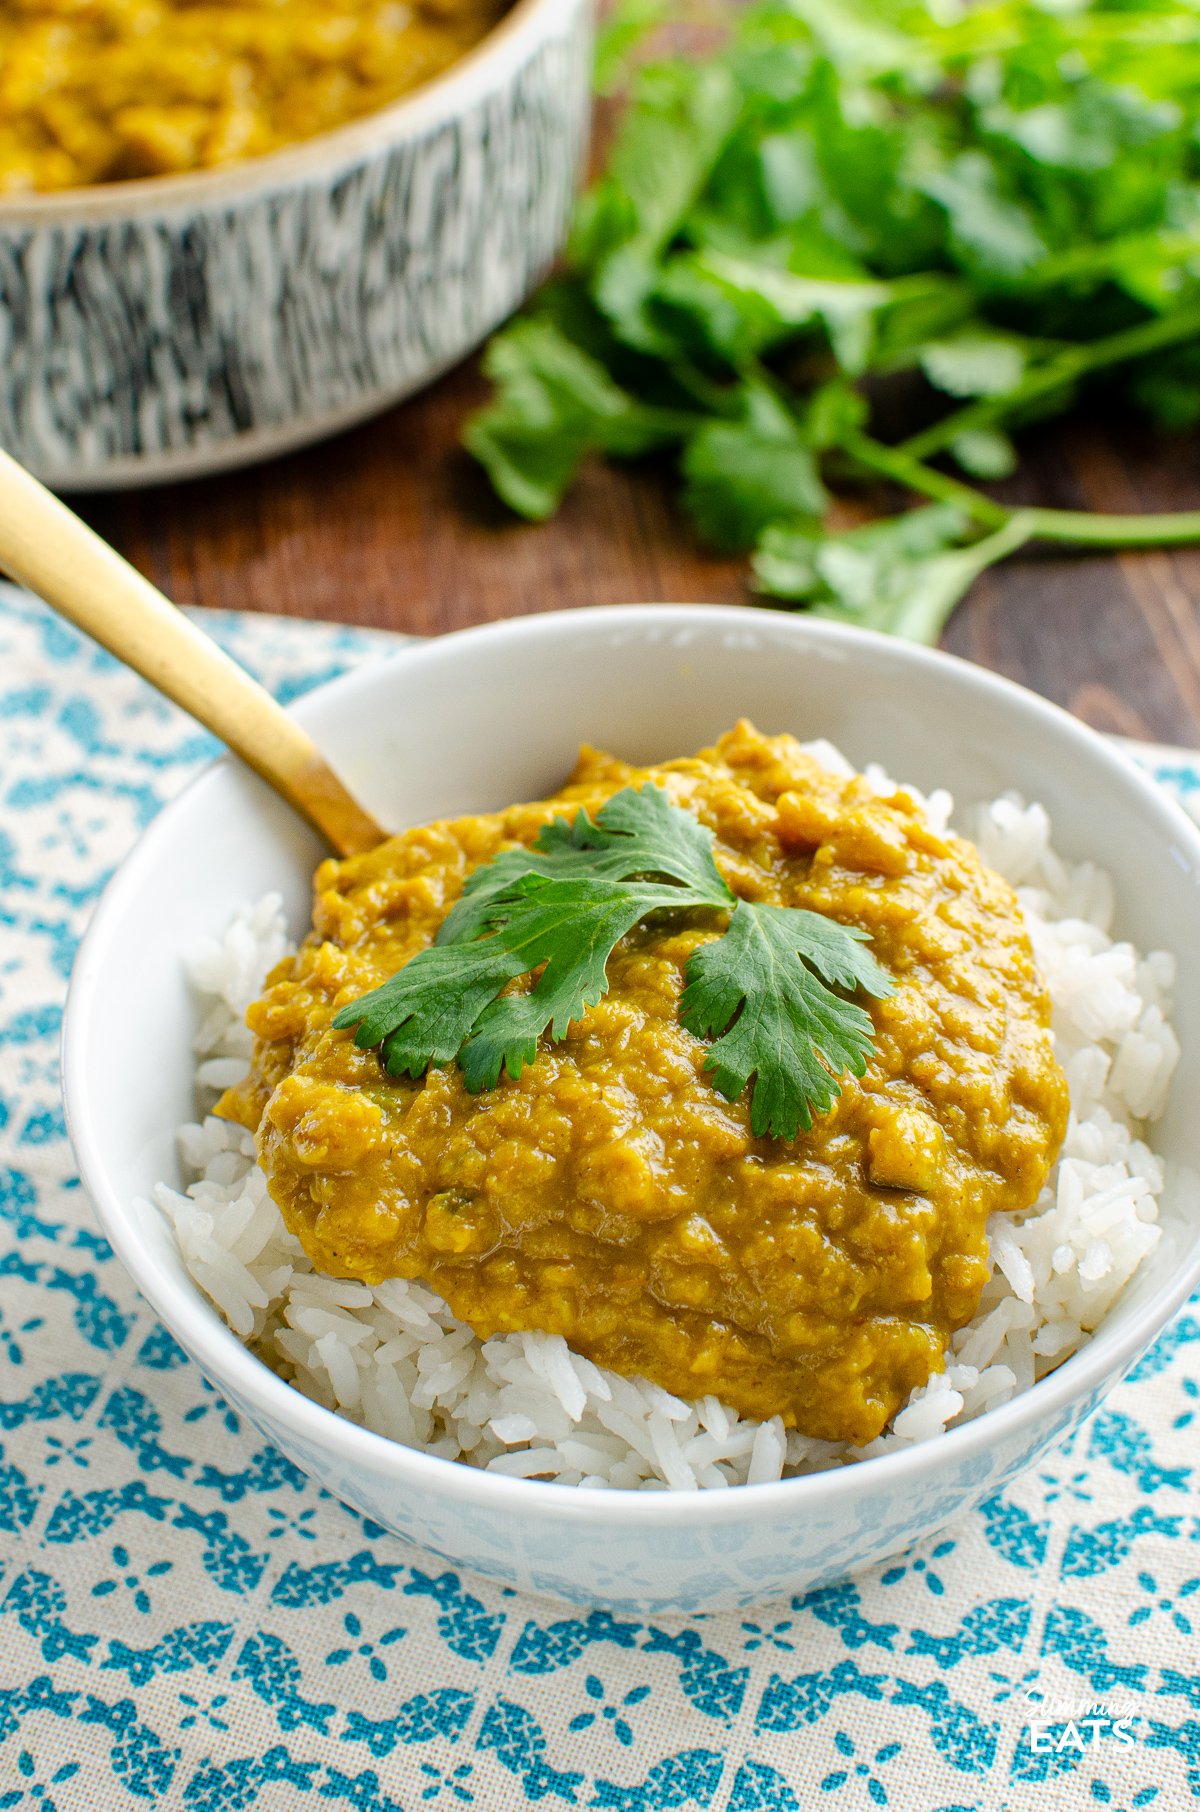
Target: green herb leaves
column 557, row 404
column 765, row 989
column 741, row 476
column 902, row 575
column 994, row 204
column 762, row 987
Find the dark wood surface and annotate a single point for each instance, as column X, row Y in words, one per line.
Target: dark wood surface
column 392, row 525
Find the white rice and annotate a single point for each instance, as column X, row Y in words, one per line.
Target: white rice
column 395, row 1359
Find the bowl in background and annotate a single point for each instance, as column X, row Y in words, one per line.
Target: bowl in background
column 492, row 715
column 177, row 325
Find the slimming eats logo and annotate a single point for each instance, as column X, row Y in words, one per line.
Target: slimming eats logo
column 1058, row 1725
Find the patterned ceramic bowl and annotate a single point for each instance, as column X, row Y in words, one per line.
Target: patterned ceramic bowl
column 179, row 325
column 469, row 723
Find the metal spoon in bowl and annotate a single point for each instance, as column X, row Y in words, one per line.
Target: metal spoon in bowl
column 46, row 547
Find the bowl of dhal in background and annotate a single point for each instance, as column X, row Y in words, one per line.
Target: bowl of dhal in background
column 473, row 721
column 166, row 325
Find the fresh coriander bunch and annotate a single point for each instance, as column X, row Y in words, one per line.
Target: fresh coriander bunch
column 1002, row 201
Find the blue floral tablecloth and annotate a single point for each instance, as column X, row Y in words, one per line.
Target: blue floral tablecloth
column 186, row 1622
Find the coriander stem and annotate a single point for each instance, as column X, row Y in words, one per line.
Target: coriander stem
column 930, row 608
column 1081, row 527
column 899, row 465
column 1097, row 258
column 1064, row 367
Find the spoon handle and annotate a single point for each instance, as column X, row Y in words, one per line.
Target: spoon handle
column 47, row 548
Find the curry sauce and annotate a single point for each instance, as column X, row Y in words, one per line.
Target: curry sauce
column 95, row 91
column 611, row 1195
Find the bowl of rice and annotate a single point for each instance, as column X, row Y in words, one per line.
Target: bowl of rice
column 513, row 1456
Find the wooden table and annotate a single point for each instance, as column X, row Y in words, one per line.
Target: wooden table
column 393, row 525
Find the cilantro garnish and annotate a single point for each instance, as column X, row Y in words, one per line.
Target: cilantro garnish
column 974, row 211
column 766, row 990
column 763, row 988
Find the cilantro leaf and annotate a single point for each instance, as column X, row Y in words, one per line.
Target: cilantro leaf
column 762, row 989
column 555, row 405
column 426, row 1012
column 572, row 927
column 636, row 832
column 742, row 475
column 664, row 152
column 856, row 38
column 423, row 1014
column 853, row 311
column 984, row 453
column 902, row 575
column 971, row 363
column 639, row 832
column 565, row 904
column 557, row 911
column 991, row 230
column 663, row 156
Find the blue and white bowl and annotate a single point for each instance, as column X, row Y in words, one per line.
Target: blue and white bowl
column 469, row 723
column 179, row 325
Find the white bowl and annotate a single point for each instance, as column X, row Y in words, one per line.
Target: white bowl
column 177, row 325
column 495, row 714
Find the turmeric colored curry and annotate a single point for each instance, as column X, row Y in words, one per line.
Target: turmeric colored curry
column 95, row 91
column 610, row 1194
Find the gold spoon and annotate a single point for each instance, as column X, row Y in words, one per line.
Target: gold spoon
column 46, row 547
